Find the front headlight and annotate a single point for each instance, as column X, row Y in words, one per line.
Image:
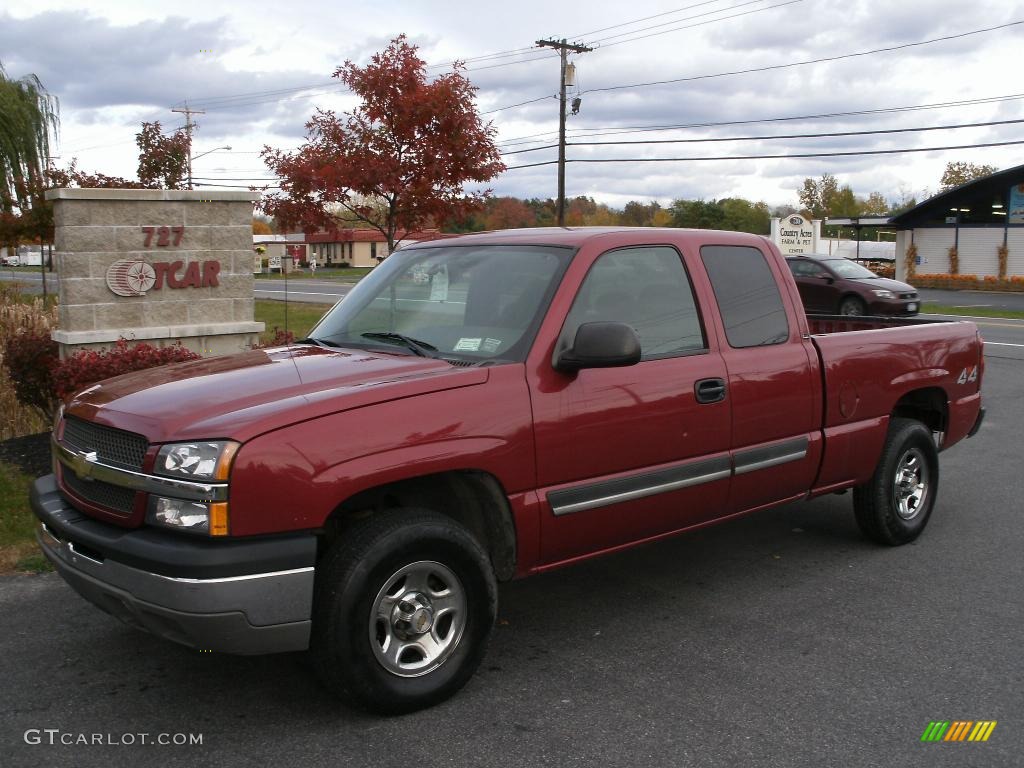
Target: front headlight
column 193, row 516
column 203, row 461
column 884, row 294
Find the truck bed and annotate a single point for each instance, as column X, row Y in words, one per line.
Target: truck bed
column 825, row 324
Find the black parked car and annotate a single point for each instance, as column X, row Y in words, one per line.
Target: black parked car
column 834, row 285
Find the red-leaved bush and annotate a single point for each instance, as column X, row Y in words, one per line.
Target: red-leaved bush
column 30, row 357
column 86, row 366
column 281, row 338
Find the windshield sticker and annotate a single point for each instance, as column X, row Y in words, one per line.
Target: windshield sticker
column 490, row 345
column 468, row 345
column 439, row 285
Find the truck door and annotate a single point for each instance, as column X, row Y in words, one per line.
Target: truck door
column 624, row 454
column 774, row 387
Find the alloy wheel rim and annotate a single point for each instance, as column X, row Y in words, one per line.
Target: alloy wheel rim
column 910, row 484
column 417, row 618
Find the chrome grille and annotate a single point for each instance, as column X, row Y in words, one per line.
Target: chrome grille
column 112, row 446
column 112, row 497
column 908, row 295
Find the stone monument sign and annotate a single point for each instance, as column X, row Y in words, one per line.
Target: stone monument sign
column 159, row 266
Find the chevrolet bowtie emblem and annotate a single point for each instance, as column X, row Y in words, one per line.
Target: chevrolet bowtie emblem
column 83, row 464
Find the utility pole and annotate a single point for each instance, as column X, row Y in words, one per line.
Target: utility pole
column 188, row 133
column 562, row 46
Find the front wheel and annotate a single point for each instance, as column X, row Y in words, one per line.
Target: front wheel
column 894, row 506
column 852, row 306
column 404, row 607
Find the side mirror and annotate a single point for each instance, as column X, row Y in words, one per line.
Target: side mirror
column 829, row 280
column 600, row 345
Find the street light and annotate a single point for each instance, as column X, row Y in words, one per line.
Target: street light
column 196, row 157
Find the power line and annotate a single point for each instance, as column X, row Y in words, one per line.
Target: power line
column 752, row 70
column 781, row 156
column 617, row 130
column 699, row 23
column 532, row 149
column 789, row 136
column 645, row 18
column 520, row 104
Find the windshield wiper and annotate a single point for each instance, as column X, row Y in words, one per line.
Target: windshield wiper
column 421, row 348
column 318, row 342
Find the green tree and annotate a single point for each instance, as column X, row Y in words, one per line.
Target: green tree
column 637, row 214
column 818, row 197
column 961, row 173
column 29, row 120
column 875, row 205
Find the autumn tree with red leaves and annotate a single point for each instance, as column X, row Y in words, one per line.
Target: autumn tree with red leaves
column 163, row 160
column 398, row 162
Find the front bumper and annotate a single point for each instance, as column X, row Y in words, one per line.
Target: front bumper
column 235, row 596
column 895, row 307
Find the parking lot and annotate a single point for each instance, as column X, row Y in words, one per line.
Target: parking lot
column 783, row 639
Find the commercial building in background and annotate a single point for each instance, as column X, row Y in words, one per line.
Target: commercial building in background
column 337, row 247
column 976, row 218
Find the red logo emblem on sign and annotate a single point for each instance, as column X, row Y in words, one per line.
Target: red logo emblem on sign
column 131, row 277
column 128, row 277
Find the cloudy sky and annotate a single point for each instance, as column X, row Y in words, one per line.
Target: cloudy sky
column 259, row 68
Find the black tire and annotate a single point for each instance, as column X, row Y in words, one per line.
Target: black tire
column 853, row 306
column 893, row 507
column 351, row 653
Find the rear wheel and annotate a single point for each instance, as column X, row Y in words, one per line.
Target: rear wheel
column 851, row 305
column 404, row 607
column 894, row 506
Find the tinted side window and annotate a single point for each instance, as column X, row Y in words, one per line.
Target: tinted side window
column 646, row 288
column 748, row 296
column 799, row 268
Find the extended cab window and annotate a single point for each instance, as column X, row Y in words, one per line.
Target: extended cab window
column 646, row 288
column 748, row 296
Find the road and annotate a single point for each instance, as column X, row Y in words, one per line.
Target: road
column 783, row 639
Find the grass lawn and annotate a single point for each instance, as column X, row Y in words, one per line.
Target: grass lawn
column 301, row 316
column 348, row 274
column 943, row 309
column 18, row 548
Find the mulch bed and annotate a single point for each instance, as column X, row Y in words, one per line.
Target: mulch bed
column 30, row 454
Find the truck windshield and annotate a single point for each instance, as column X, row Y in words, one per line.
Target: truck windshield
column 462, row 303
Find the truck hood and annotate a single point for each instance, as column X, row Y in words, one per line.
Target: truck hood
column 240, row 396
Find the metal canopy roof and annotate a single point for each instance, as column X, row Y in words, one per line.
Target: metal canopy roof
column 993, row 186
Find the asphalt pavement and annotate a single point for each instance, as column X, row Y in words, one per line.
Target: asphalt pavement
column 782, row 639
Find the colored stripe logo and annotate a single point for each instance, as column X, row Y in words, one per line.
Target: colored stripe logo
column 958, row 730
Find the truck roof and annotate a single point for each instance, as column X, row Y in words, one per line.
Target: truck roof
column 577, row 236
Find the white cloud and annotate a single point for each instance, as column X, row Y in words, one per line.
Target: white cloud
column 123, row 62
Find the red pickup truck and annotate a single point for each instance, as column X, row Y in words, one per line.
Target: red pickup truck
column 480, row 409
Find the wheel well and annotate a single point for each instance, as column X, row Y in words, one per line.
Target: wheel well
column 929, row 406
column 474, row 499
column 851, row 295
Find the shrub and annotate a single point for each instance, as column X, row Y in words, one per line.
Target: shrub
column 281, row 338
column 21, row 315
column 30, row 357
column 88, row 366
column 954, row 260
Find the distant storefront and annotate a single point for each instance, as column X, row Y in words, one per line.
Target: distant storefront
column 977, row 219
column 336, row 247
